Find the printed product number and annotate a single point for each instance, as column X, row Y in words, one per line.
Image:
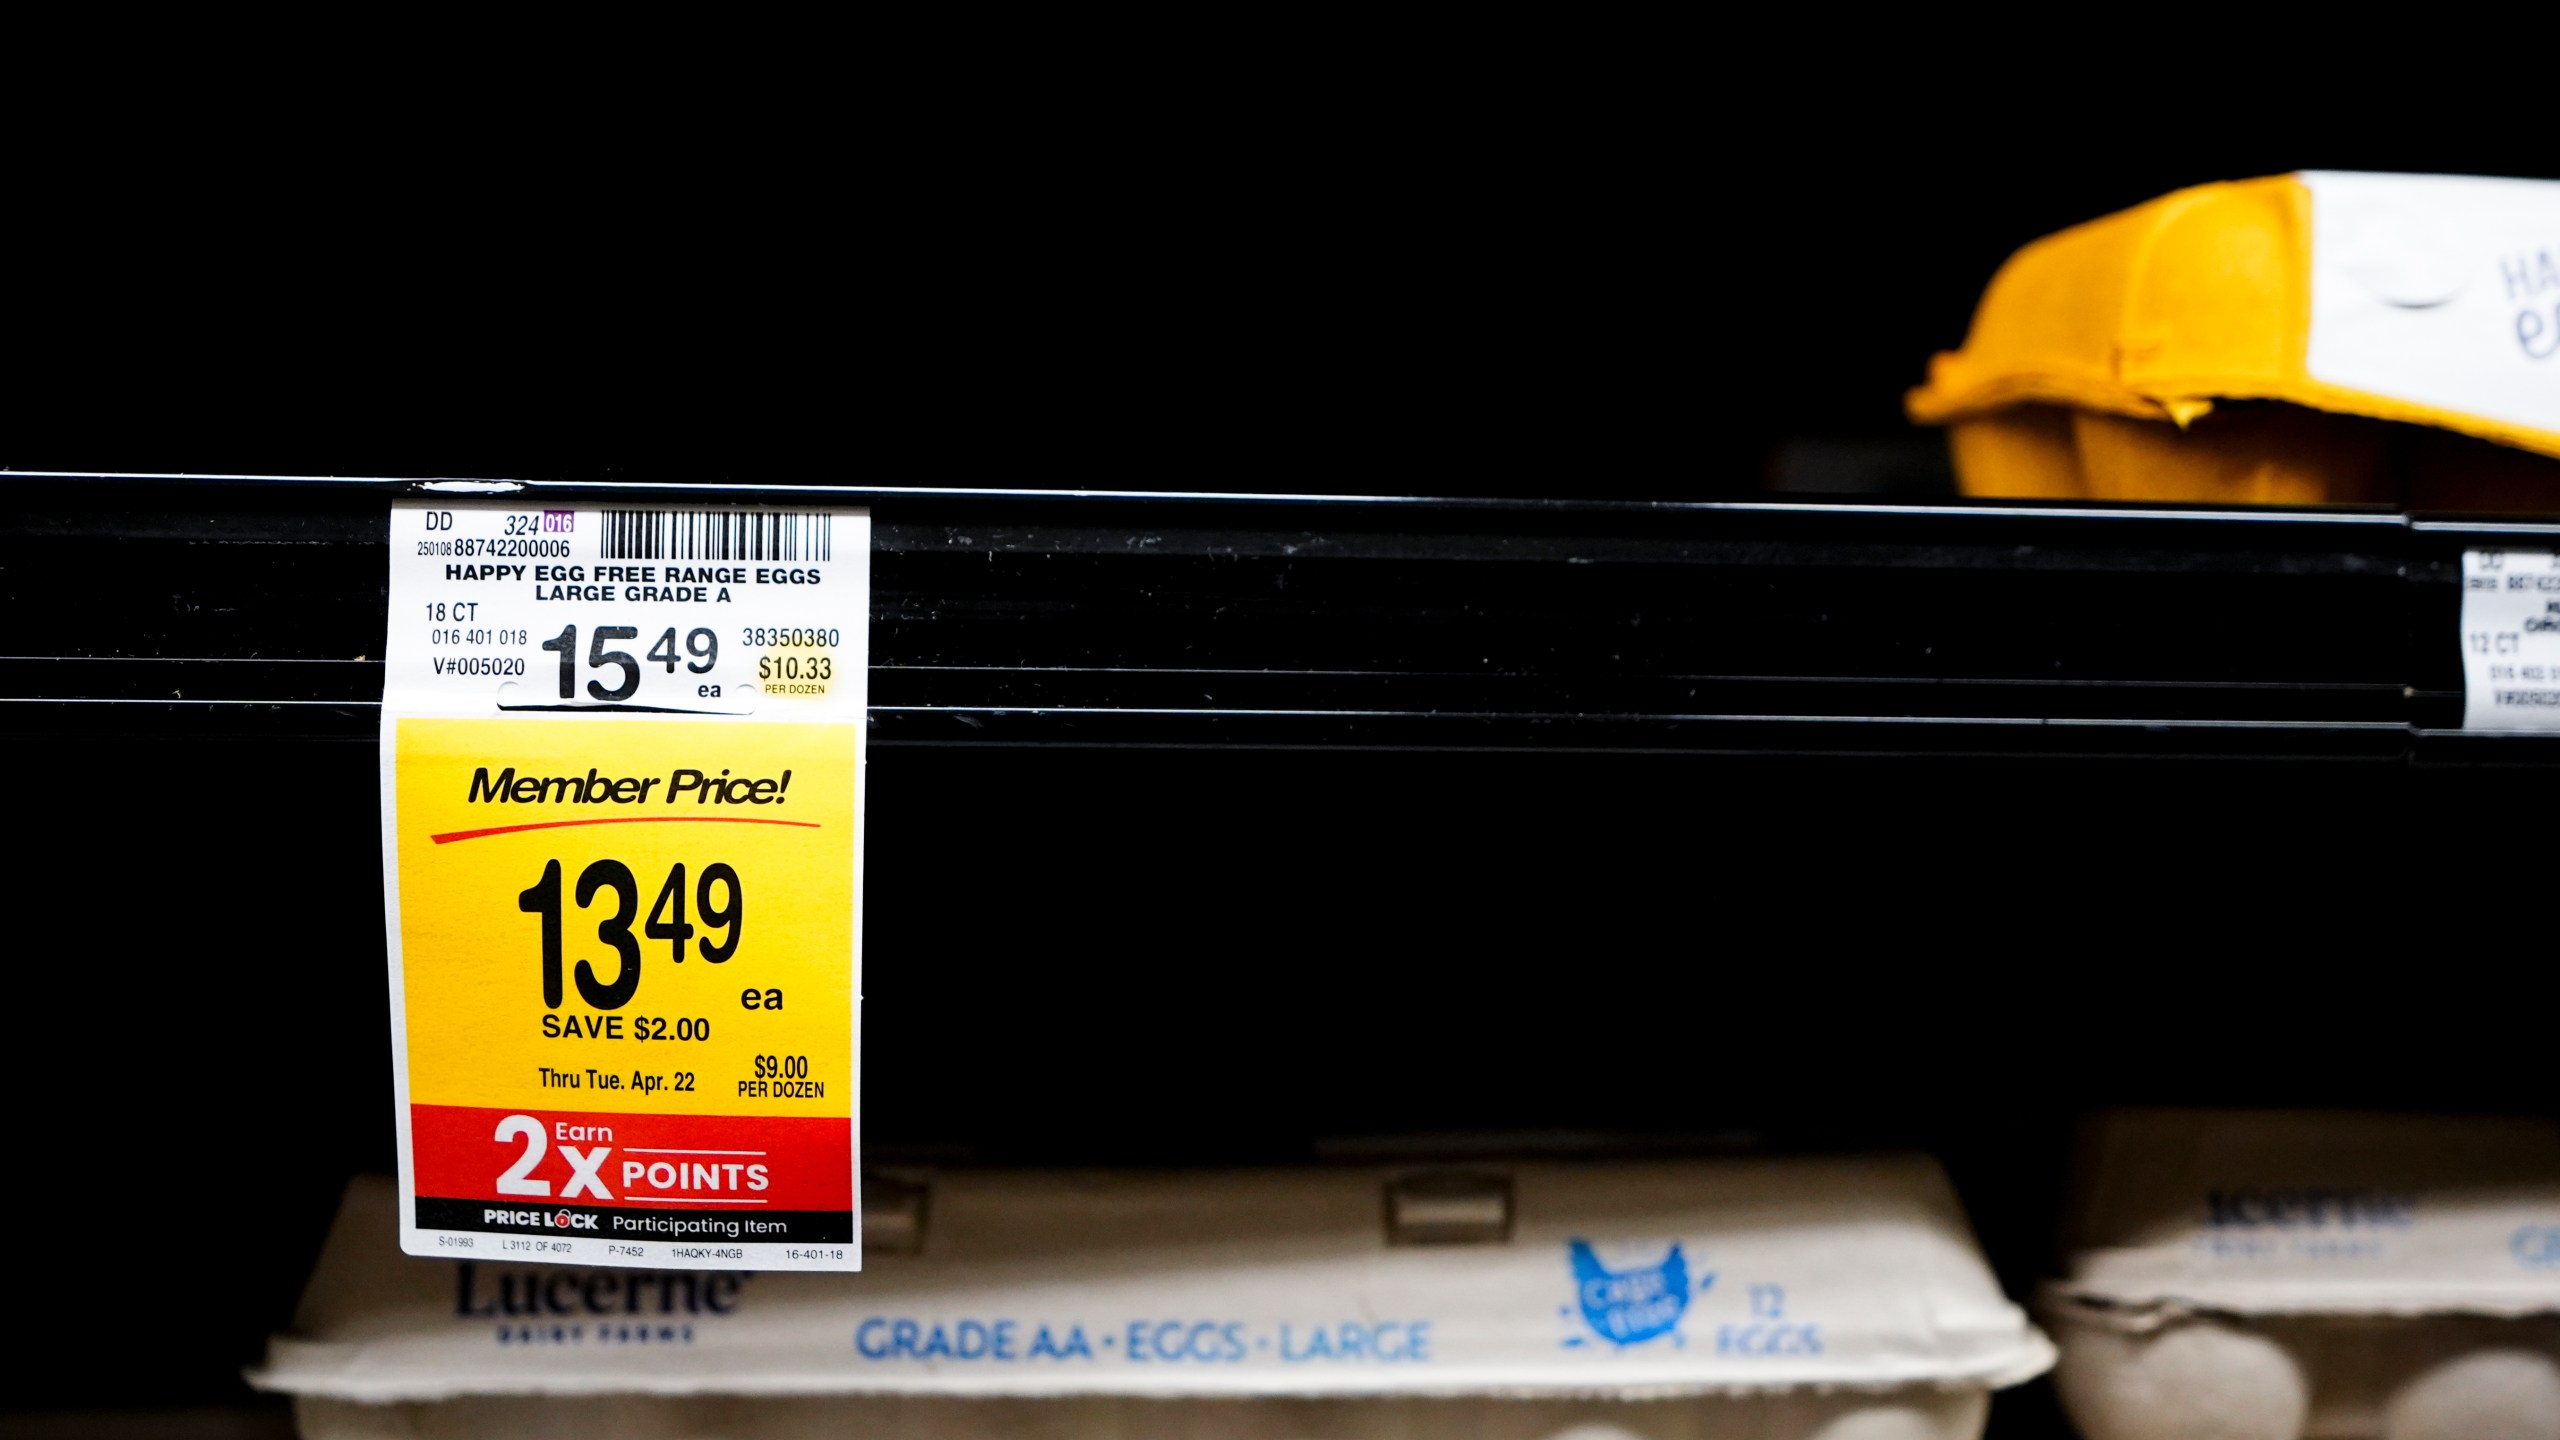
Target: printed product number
column 472, row 546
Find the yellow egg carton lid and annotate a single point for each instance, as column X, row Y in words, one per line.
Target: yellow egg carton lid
column 2432, row 299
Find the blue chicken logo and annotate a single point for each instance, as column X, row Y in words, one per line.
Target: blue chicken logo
column 1630, row 1307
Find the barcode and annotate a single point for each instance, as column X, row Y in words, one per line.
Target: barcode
column 714, row 535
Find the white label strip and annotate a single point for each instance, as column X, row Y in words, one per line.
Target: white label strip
column 502, row 607
column 2511, row 640
column 2438, row 289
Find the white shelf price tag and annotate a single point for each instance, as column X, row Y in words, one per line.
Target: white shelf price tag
column 2511, row 640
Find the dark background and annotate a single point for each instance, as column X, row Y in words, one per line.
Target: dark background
column 1521, row 264
column 1640, row 266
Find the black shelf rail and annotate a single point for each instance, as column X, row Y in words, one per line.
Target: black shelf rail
column 218, row 605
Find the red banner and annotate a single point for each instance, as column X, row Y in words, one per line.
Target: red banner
column 735, row 1163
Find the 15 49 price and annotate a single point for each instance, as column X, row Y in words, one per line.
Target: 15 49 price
column 700, row 653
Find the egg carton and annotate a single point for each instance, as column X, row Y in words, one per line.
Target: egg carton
column 2329, row 1377
column 2312, row 1276
column 1760, row 1300
column 1908, row 1415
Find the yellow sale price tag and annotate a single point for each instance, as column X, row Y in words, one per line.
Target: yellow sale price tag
column 622, row 779
column 635, row 913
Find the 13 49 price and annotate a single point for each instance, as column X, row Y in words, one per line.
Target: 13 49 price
column 716, row 922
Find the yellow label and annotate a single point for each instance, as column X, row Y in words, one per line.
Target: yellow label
column 700, row 879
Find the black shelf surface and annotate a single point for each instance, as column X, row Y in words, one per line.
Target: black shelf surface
column 1209, row 830
column 221, row 605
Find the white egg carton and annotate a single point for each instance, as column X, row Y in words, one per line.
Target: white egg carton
column 2312, row 1276
column 1939, row 1415
column 1821, row 1299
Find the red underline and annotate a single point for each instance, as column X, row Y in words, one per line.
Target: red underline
column 450, row 836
